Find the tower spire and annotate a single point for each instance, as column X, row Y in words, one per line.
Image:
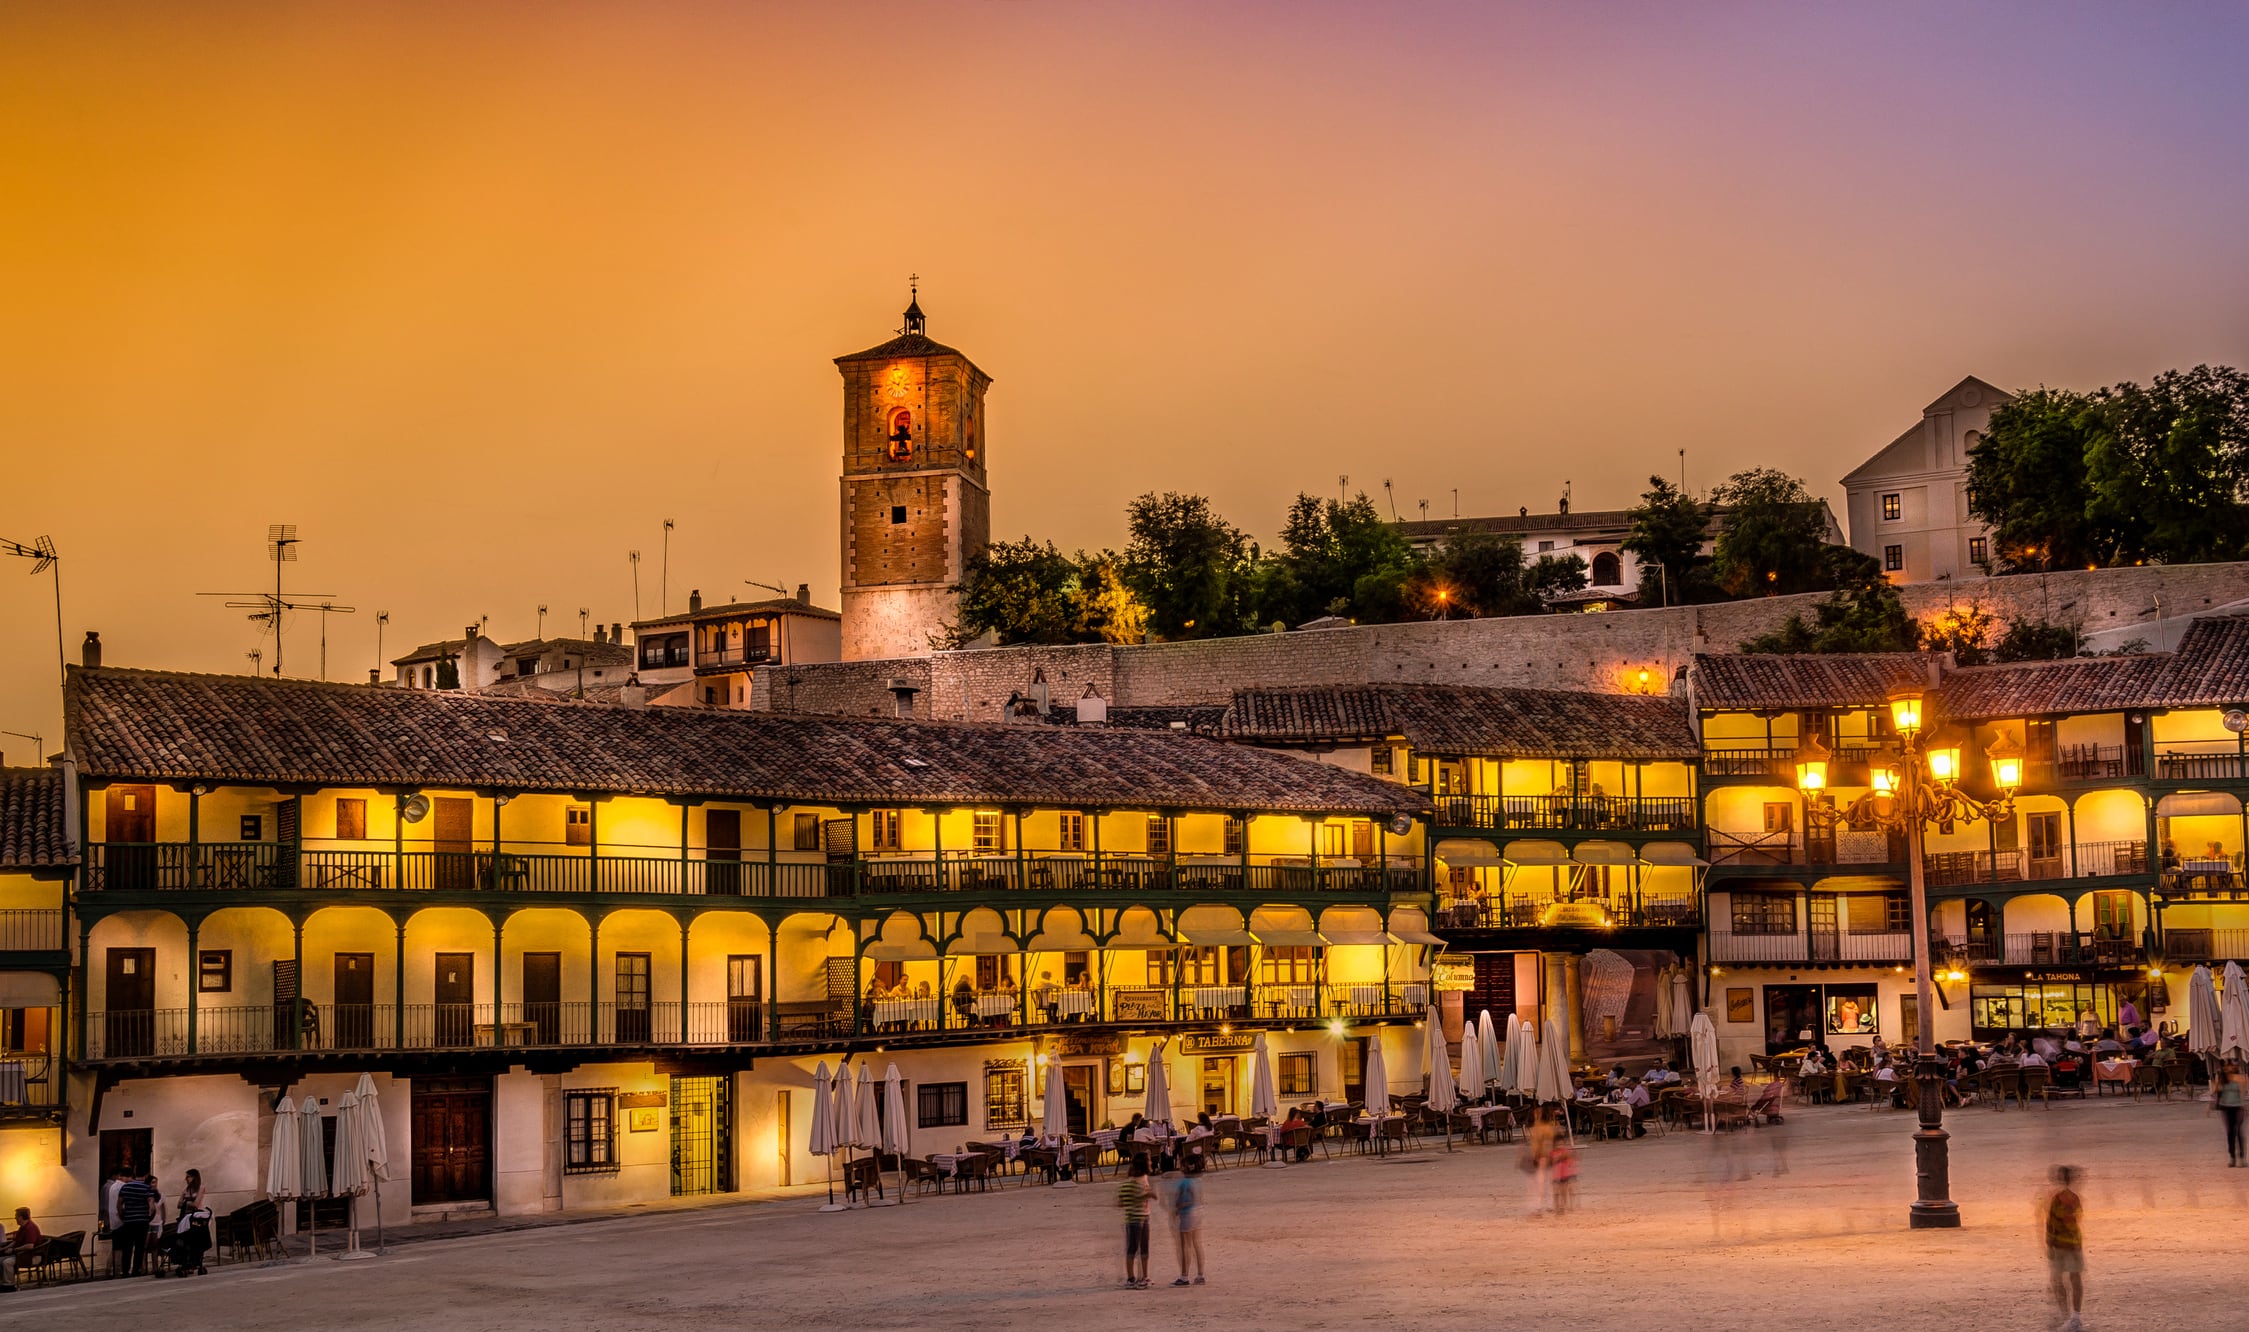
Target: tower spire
column 916, row 322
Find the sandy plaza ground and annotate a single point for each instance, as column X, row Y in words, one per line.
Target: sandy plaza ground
column 1800, row 1226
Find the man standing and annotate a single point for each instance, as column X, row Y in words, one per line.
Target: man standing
column 136, row 1206
column 1132, row 1196
column 2065, row 1247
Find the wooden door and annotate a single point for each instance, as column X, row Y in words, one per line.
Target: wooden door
column 632, row 999
column 455, row 995
column 452, row 1140
column 1820, row 916
column 785, row 1122
column 2112, row 916
column 453, row 838
column 129, row 827
column 542, row 996
column 2045, row 845
column 745, row 992
column 1353, row 1052
column 722, row 852
column 129, row 1030
column 352, row 1024
column 1078, row 1089
column 1218, row 1085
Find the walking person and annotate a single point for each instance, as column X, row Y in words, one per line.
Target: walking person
column 1132, row 1197
column 1187, row 1220
column 2065, row 1247
column 2227, row 1099
column 1538, row 1159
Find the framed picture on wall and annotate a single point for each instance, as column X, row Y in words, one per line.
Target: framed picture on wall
column 1136, row 1079
column 642, row 1120
column 1116, row 1076
column 1741, row 1005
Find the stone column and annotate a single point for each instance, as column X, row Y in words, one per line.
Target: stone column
column 1573, row 990
column 1554, row 1004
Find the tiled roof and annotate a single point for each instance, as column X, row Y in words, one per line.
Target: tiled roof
column 769, row 606
column 2210, row 668
column 31, row 820
column 596, row 654
column 2052, row 688
column 163, row 726
column 1466, row 720
column 1201, row 719
column 1804, row 680
column 905, row 344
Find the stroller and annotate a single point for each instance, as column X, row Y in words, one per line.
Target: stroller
column 184, row 1244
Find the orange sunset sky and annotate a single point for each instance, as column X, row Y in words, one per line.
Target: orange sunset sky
column 478, row 295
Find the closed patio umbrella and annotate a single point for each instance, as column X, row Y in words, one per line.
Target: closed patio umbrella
column 2203, row 1019
column 1702, row 1040
column 1378, row 1080
column 1471, row 1068
column 1058, row 1122
column 867, row 1125
column 285, row 1178
column 1664, row 1005
column 894, row 1135
column 312, row 1142
column 2233, row 1015
column 1526, row 1063
column 1157, row 1108
column 843, row 1120
column 824, row 1129
column 374, row 1146
column 352, row 1178
column 1444, row 1093
column 1264, row 1096
column 1682, row 1001
column 1553, row 1065
column 1487, row 1039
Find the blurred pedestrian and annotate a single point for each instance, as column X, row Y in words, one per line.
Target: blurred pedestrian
column 1537, row 1159
column 2065, row 1247
column 2227, row 1098
column 1564, row 1171
column 1132, row 1197
column 1187, row 1220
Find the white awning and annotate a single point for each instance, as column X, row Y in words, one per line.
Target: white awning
column 980, row 945
column 1672, row 853
column 1292, row 938
column 1349, row 938
column 1414, row 934
column 1603, row 853
column 883, row 950
column 1536, row 853
column 1203, row 936
column 29, row 989
column 1467, row 853
column 2187, row 804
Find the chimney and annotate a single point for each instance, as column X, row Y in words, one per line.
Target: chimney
column 91, row 653
column 1039, row 691
column 600, row 634
column 374, row 675
column 902, row 693
column 468, row 638
column 617, row 631
column 694, row 601
column 1093, row 710
column 804, row 594
column 634, row 694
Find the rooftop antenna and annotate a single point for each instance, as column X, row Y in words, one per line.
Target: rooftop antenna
column 1392, row 497
column 664, row 583
column 382, row 618
column 1342, row 483
column 270, row 608
column 326, row 608
column 1456, row 501
column 582, row 614
column 38, row 745
column 1424, row 510
column 542, row 633
column 770, row 587
column 1682, row 471
column 634, row 556
column 257, row 660
column 281, row 548
column 42, row 555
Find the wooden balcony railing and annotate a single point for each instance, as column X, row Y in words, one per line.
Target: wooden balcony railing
column 2200, row 761
column 32, row 930
column 1523, row 911
column 1568, row 813
column 2047, row 948
column 1888, row 947
column 1952, row 869
column 2206, row 945
column 254, row 866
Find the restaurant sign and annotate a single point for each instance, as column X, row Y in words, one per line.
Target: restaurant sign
column 1452, row 971
column 1086, row 1043
column 1139, row 1006
column 1214, row 1043
column 642, row 1100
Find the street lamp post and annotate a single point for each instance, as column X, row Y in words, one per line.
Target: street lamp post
column 1917, row 786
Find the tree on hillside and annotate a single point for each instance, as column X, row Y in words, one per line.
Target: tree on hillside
column 1030, row 592
column 1774, row 535
column 2027, row 482
column 1186, row 564
column 1477, row 573
column 1667, row 534
column 1552, row 575
column 1343, row 558
column 1864, row 615
column 2169, row 470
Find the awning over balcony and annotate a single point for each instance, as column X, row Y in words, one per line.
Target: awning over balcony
column 1214, row 927
column 1062, row 930
column 1408, row 925
column 889, row 950
column 1672, row 853
column 1349, row 926
column 1536, row 853
column 1285, row 927
column 1468, row 853
column 2187, row 804
column 1603, row 853
column 28, row 989
column 1293, row 939
column 981, row 945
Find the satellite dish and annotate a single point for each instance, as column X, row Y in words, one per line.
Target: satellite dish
column 415, row 809
column 1401, row 824
column 2236, row 720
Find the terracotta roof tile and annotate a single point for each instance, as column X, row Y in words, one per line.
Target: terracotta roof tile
column 1805, row 680
column 162, row 726
column 1467, row 720
column 2210, row 668
column 32, row 832
column 2052, row 688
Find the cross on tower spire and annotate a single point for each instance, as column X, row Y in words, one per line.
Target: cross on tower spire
column 916, row 322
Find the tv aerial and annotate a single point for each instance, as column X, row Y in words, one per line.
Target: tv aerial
column 270, row 608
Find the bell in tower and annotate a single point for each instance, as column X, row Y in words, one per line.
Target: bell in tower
column 915, row 321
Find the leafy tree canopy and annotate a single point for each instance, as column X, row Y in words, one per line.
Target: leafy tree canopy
column 1666, row 536
column 1343, row 558
column 1774, row 535
column 2027, row 482
column 1030, row 592
column 1186, row 564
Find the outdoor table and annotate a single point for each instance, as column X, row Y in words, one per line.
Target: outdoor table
column 2216, row 871
column 2115, row 1070
column 1479, row 1114
column 1073, row 1003
column 1364, row 996
column 1416, row 996
column 14, row 1087
column 1369, row 1130
column 905, row 1012
column 1216, row 998
column 995, row 1005
column 1106, row 1139
column 1299, row 998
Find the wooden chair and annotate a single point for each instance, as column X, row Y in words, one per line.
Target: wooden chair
column 2148, row 1078
column 2037, row 1082
column 975, row 1169
column 921, row 1175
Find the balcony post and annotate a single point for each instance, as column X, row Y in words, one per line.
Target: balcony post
column 1022, row 876
column 398, row 870
column 772, row 851
column 593, row 978
column 593, row 844
column 194, row 847
column 685, row 922
column 297, row 1008
column 398, row 988
column 1312, row 825
column 84, row 979
column 773, row 977
column 683, row 811
column 499, row 975
column 195, row 973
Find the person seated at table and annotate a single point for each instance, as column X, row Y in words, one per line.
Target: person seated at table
column 1734, row 1080
column 1662, row 1073
column 1881, row 1048
column 1811, row 1067
column 1295, row 1121
column 921, row 989
column 24, row 1242
column 964, row 996
column 2108, row 1044
column 2162, row 1055
column 1618, row 1077
column 2033, row 1059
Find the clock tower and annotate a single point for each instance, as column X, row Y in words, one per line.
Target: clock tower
column 916, row 506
